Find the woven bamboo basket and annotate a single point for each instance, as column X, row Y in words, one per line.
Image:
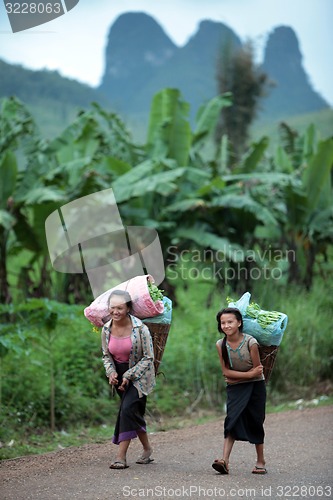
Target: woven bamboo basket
column 268, row 357
column 159, row 333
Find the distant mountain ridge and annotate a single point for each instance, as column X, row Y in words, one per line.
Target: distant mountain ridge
column 283, row 63
column 140, row 60
column 52, row 99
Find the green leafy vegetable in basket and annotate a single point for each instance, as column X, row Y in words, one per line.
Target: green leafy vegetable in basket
column 264, row 318
column 155, row 293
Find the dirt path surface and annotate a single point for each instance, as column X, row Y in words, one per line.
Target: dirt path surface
column 299, row 460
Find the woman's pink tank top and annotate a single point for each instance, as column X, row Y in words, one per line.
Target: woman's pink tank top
column 120, row 348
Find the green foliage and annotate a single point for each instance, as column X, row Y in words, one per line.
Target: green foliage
column 323, row 121
column 51, row 367
column 169, row 131
column 53, row 100
column 284, row 199
column 305, row 357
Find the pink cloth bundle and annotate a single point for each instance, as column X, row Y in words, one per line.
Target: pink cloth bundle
column 143, row 305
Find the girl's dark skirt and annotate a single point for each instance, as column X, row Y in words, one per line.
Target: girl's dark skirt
column 245, row 418
column 130, row 418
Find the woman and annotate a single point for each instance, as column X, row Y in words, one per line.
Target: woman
column 128, row 359
column 246, row 390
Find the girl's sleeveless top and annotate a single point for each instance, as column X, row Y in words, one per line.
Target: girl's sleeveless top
column 240, row 358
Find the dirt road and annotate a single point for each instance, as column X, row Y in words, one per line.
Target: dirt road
column 299, row 460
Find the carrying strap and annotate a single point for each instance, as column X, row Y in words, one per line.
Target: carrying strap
column 235, row 350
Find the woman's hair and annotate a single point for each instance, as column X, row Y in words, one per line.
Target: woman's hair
column 121, row 293
column 236, row 312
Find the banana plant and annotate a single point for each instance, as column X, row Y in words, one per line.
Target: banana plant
column 298, row 193
column 308, row 228
column 16, row 130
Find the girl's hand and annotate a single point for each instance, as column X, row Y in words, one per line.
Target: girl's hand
column 257, row 371
column 124, row 384
column 233, row 380
column 113, row 378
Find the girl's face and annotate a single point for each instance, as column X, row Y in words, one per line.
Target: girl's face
column 229, row 324
column 118, row 308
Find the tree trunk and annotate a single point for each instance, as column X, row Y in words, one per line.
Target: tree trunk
column 5, row 296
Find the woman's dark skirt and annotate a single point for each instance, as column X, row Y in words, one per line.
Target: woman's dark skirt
column 130, row 418
column 245, row 418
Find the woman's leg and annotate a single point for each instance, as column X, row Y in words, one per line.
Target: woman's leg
column 122, row 450
column 147, row 449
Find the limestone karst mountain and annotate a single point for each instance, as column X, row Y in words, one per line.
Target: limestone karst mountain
column 141, row 59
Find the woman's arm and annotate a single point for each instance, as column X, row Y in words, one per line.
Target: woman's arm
column 106, row 356
column 147, row 360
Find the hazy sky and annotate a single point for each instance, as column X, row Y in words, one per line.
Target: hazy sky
column 74, row 44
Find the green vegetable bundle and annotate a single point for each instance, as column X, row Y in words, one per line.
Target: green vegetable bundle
column 155, row 293
column 264, row 318
column 266, row 326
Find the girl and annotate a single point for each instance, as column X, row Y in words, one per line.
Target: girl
column 246, row 390
column 128, row 358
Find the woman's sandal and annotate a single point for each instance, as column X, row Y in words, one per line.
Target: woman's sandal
column 220, row 466
column 119, row 464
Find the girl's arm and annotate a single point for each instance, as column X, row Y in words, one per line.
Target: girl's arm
column 234, row 375
column 254, row 352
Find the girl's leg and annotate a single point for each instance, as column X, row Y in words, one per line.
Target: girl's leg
column 260, row 455
column 227, row 447
column 222, row 465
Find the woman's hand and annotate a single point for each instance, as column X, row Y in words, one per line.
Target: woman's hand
column 124, row 384
column 113, row 378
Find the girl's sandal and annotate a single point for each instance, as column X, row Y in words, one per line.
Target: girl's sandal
column 119, row 464
column 221, row 466
column 145, row 458
column 259, row 470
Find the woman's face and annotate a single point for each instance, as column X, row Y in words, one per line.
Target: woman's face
column 118, row 308
column 229, row 324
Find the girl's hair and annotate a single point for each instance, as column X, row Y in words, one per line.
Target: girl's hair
column 121, row 293
column 229, row 310
column 236, row 312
